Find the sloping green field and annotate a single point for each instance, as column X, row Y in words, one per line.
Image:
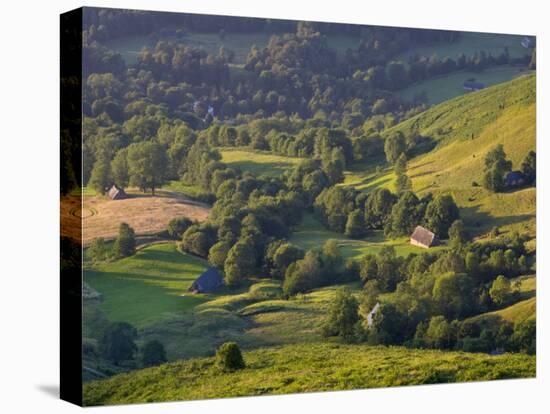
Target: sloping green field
column 465, row 129
column 149, row 286
column 523, row 310
column 305, row 368
column 441, row 88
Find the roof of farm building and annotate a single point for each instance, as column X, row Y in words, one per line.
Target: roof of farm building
column 423, row 236
column 208, row 281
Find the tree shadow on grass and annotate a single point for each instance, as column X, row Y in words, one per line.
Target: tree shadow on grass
column 480, row 222
column 417, row 166
column 369, row 184
column 155, row 255
column 258, row 168
column 136, row 277
column 422, row 174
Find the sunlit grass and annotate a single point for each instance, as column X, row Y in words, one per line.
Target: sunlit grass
column 306, row 368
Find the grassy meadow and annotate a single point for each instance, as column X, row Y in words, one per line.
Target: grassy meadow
column 258, row 162
column 149, row 286
column 520, row 311
column 465, row 129
column 306, row 368
column 312, row 234
column 445, row 87
column 254, row 316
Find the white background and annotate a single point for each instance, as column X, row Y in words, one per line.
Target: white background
column 29, row 211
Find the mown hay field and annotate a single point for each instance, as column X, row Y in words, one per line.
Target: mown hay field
column 145, row 213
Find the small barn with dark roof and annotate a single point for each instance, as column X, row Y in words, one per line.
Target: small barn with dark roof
column 514, row 179
column 209, row 281
column 116, row 193
column 473, row 86
column 423, row 237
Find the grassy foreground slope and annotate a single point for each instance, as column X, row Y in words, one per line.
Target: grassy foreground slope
column 305, row 368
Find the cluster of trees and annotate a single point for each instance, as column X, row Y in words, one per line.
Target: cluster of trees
column 123, row 246
column 396, row 75
column 291, row 136
column 315, row 269
column 433, row 295
column 348, row 211
column 499, row 335
column 497, row 166
column 117, row 344
column 249, row 214
column 398, row 145
column 529, row 167
column 294, row 74
column 108, row 24
column 176, row 63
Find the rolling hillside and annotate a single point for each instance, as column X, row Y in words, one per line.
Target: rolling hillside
column 464, row 130
column 305, row 368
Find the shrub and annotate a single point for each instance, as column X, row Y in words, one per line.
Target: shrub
column 525, row 336
column 125, row 243
column 229, row 357
column 98, row 250
column 153, row 353
column 177, row 226
column 501, row 291
column 117, row 343
column 342, row 316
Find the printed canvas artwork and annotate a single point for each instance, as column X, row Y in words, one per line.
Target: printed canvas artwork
column 253, row 206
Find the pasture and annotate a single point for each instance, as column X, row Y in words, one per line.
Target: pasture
column 311, row 234
column 367, row 177
column 306, row 368
column 521, row 311
column 441, row 88
column 524, row 309
column 258, row 162
column 147, row 287
column 145, row 213
column 465, row 129
column 254, row 316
